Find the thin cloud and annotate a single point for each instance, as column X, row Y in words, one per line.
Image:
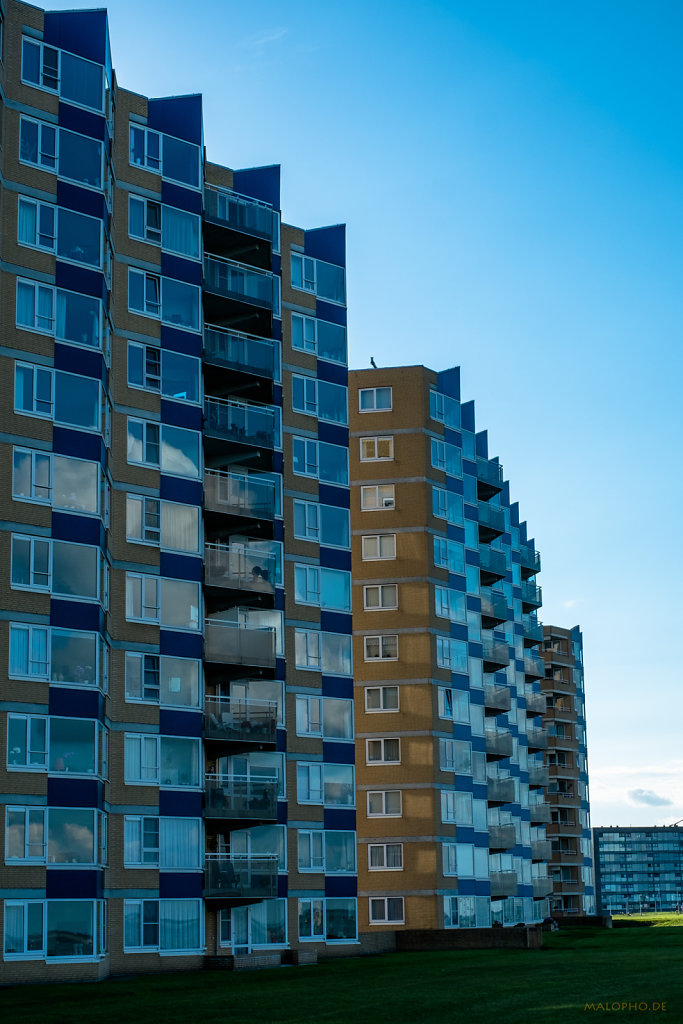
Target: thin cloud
column 571, row 603
column 265, row 38
column 649, row 797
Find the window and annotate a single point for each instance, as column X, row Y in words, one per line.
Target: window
column 330, row 717
column 382, row 596
column 144, row 293
column 33, row 390
column 329, row 920
column 326, row 280
column 376, row 449
column 36, row 224
column 326, row 524
column 74, row 745
column 377, row 496
column 325, row 850
column 164, row 925
column 63, row 656
column 64, row 569
column 449, row 852
column 62, row 929
column 145, row 148
column 455, row 756
column 381, row 698
column 386, row 910
column 75, row 157
column 31, row 568
column 174, row 375
column 76, row 79
column 54, row 394
column 62, row 481
column 374, row 399
column 323, row 652
column 142, row 597
column 378, row 546
column 446, row 457
column 174, row 230
column 27, row 741
column 79, row 238
column 326, row 588
column 77, row 317
column 144, row 219
column 328, row 784
column 449, row 554
column 174, row 450
column 174, row 158
column 444, row 409
column 162, row 679
column 385, row 856
column 454, row 705
column 170, row 761
column 451, row 654
column 38, row 143
column 383, row 751
column 447, row 505
column 450, row 604
column 322, row 461
column 55, row 835
column 151, row 521
column 28, row 652
column 381, row 648
column 456, row 808
column 32, row 475
column 326, row 339
column 384, row 803
column 320, row 398
column 167, row 843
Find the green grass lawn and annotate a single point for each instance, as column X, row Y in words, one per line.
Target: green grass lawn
column 549, row 986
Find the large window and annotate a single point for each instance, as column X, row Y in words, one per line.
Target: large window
column 62, row 656
column 73, row 236
column 320, row 398
column 324, row 524
column 450, row 604
column 447, row 505
column 326, row 462
column 174, row 302
column 446, row 457
column 172, row 374
column 326, row 280
column 444, row 409
column 68, row 316
column 60, row 929
column 386, row 910
column 325, row 588
column 378, row 546
column 377, row 496
column 58, row 567
column 449, row 554
column 173, row 158
column 163, row 679
column 323, row 652
column 55, row 835
column 451, row 654
column 169, row 926
column 328, row 784
column 175, row 230
column 456, row 808
column 173, row 603
column 385, row 803
column 63, row 397
column 328, row 920
column 174, row 450
column 171, row 525
column 329, row 717
column 374, row 399
column 61, row 481
column 327, row 851
column 170, row 761
column 72, row 156
column 381, row 648
column 75, row 79
column 455, row 756
column 74, row 745
column 325, row 339
column 168, row 843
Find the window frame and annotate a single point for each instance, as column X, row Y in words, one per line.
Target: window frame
column 383, row 793
column 374, row 901
column 384, row 866
column 380, row 637
column 374, row 407
column 387, row 502
column 379, row 557
column 382, row 741
column 381, row 588
column 381, row 710
column 376, row 439
column 56, row 90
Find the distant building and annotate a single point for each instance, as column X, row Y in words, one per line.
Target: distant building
column 638, row 869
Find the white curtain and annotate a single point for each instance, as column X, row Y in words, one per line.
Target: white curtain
column 179, row 924
column 180, row 232
column 180, row 843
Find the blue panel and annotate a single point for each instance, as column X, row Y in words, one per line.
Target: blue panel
column 279, row 603
column 335, row 558
column 328, row 243
column 469, row 468
column 481, row 442
column 181, row 341
column 457, row 582
column 73, row 885
column 259, row 183
column 475, row 650
column 79, row 279
column 75, row 793
column 180, row 723
column 84, row 122
column 336, row 622
column 282, row 886
column 82, row 32
column 73, row 703
column 276, row 267
column 337, row 686
column 328, row 494
column 452, row 436
column 180, row 885
column 277, row 400
column 80, row 529
column 173, row 488
column 339, row 753
column 473, row 604
column 86, row 362
column 458, row 631
column 180, row 269
column 471, row 557
column 467, row 415
column 180, row 567
column 341, row 885
column 281, row 740
column 334, row 372
column 471, row 512
column 280, row 668
column 455, row 485
column 333, row 433
column 448, row 382
column 79, row 444
column 76, row 615
column 176, row 804
column 279, row 531
column 282, row 812
column 329, row 311
column 339, row 818
column 180, row 116
column 184, row 198
column 180, row 414
column 83, row 200
column 467, row 886
column 180, row 645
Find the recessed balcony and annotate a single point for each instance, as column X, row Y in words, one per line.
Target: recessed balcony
column 243, row 495
column 532, row 596
column 494, row 609
column 498, row 744
column 496, row 699
column 537, row 739
column 240, row 721
column 491, row 522
column 495, row 653
column 503, row 883
column 228, row 643
column 238, row 283
column 239, row 213
column 502, row 837
column 237, row 797
column 530, row 560
column 535, row 703
column 542, row 885
column 500, row 791
column 489, row 478
column 239, row 567
column 247, row 353
column 539, row 813
column 245, row 424
column 492, row 565
column 238, row 877
column 534, row 666
column 541, row 849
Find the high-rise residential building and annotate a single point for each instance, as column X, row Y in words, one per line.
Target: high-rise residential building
column 638, row 869
column 567, row 767
column 452, row 813
column 172, row 531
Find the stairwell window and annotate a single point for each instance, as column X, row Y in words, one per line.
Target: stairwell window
column 387, row 910
column 376, row 449
column 385, row 856
column 377, row 496
column 374, row 399
column 386, row 750
column 381, row 648
column 385, row 803
column 380, row 598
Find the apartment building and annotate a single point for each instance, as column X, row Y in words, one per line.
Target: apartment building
column 176, row 726
column 567, row 768
column 452, row 813
column 638, row 869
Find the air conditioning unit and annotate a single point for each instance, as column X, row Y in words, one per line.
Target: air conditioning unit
column 387, row 502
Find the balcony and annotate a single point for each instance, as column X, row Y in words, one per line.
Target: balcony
column 535, row 703
column 531, row 596
column 240, row 877
column 538, row 776
column 496, row 654
column 239, row 283
column 498, row 744
column 502, row 837
column 558, row 657
column 239, row 213
column 539, row 813
column 541, row 849
column 489, row 478
column 496, row 699
column 247, row 353
column 237, row 797
column 537, row 739
column 543, row 886
column 243, row 423
column 227, row 643
column 532, row 630
column 247, row 495
column 501, row 791
column 491, row 522
column 494, row 609
column 242, row 721
column 492, row 565
column 239, row 567
column 534, row 666
column 530, row 560
column 503, row 883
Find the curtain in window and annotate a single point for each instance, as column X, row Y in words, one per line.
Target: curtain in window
column 180, row 232
column 18, row 651
column 131, row 924
column 133, row 760
column 25, row 297
column 132, row 837
column 14, row 928
column 179, row 527
column 179, row 924
column 27, row 222
column 179, row 843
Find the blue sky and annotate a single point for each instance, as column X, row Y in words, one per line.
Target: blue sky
column 509, row 171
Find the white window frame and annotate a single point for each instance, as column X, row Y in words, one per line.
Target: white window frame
column 384, row 848
column 378, row 538
column 374, row 407
column 44, row 667
column 383, row 794
column 379, row 745
column 146, row 501
column 157, row 948
column 374, row 443
column 376, row 903
column 146, row 425
column 388, row 501
column 57, row 89
column 382, row 710
column 380, row 637
column 38, row 207
column 150, row 234
column 43, row 126
column 44, row 588
column 152, row 309
column 150, row 597
column 387, row 594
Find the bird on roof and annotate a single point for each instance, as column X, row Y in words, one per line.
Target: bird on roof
column 373, row 364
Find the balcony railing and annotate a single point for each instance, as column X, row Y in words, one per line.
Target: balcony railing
column 490, row 475
column 491, row 519
column 532, row 628
column 241, row 720
column 538, row 776
column 498, row 744
column 529, row 557
column 238, row 796
column 495, row 652
column 502, row 837
column 535, row 703
column 503, row 883
column 492, row 563
column 242, row 422
column 239, row 567
column 537, row 739
column 531, row 594
column 540, row 813
column 497, row 698
column 543, row 886
column 541, row 849
column 494, row 606
column 240, row 213
column 251, row 495
column 501, row 791
column 238, row 877
column 228, row 643
column 237, row 351
column 534, row 667
column 239, row 282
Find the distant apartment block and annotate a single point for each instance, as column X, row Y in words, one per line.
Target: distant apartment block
column 638, row 869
